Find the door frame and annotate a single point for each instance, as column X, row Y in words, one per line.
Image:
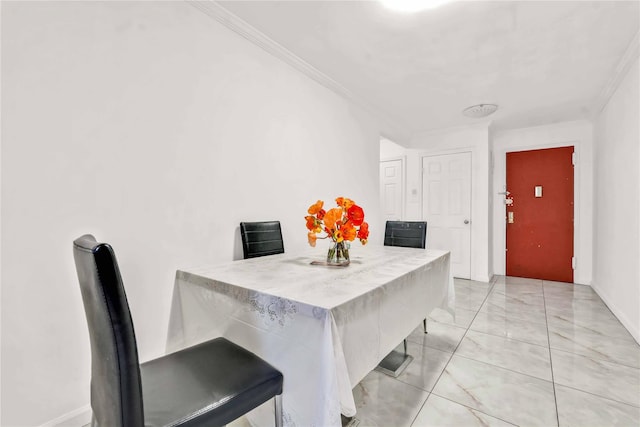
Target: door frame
column 563, row 267
column 403, row 180
column 500, row 224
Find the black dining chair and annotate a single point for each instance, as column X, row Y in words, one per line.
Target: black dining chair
column 208, row 384
column 261, row 238
column 407, row 234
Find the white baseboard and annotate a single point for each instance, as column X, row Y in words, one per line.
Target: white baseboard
column 77, row 418
column 633, row 329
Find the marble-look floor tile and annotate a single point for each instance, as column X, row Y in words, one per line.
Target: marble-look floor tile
column 524, row 291
column 426, row 367
column 440, row 336
column 570, row 294
column 472, row 290
column 601, row 324
column 470, row 300
column 524, row 299
column 525, row 358
column 383, row 401
column 462, row 319
column 517, row 281
column 513, row 309
column 501, row 393
column 438, row 411
column 609, row 380
column 582, row 314
column 596, row 346
column 570, row 288
column 521, row 330
column 577, row 409
column 570, row 302
column 464, row 284
column 534, row 290
column 564, row 303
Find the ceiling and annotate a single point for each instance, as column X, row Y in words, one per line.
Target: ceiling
column 540, row 61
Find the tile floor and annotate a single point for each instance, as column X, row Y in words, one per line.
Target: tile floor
column 519, row 352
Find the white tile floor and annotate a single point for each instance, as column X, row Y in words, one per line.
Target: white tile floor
column 519, row 352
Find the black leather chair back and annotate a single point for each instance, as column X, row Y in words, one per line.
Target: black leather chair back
column 261, row 238
column 408, row 234
column 116, row 389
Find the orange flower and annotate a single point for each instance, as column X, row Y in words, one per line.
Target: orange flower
column 348, row 232
column 355, row 215
column 340, row 224
column 344, row 203
column 331, row 217
column 316, row 207
column 311, row 222
column 363, row 233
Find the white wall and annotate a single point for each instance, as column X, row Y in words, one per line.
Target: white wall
column 576, row 133
column 157, row 129
column 616, row 270
column 473, row 139
column 390, row 150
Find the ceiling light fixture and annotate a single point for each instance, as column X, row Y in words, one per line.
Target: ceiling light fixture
column 410, row 6
column 480, row 110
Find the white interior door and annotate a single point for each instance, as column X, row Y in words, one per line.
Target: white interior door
column 446, row 206
column 391, row 188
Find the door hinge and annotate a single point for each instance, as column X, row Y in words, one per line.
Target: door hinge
column 573, row 263
column 573, row 158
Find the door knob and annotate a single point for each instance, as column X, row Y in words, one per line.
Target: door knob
column 466, row 221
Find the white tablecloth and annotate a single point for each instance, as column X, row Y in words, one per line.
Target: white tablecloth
column 323, row 327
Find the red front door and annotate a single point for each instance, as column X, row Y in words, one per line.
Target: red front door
column 540, row 219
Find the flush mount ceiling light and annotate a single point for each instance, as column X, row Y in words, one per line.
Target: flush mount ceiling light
column 480, row 110
column 412, row 5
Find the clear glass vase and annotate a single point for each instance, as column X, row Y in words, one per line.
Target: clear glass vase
column 338, row 253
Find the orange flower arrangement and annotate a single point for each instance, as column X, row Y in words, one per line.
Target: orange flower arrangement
column 344, row 223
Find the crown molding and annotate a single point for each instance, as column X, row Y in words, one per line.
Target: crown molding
column 621, row 70
column 215, row 10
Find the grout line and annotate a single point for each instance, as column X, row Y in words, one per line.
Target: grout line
column 499, row 367
column 510, row 338
column 600, row 396
column 413, row 420
column 549, row 348
column 465, row 334
column 474, row 409
column 594, row 359
column 454, row 350
column 502, row 367
column 553, row 381
column 490, row 289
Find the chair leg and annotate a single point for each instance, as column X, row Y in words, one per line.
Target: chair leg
column 405, row 346
column 278, row 404
column 424, row 323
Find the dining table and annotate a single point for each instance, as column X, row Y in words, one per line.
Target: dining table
column 324, row 327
